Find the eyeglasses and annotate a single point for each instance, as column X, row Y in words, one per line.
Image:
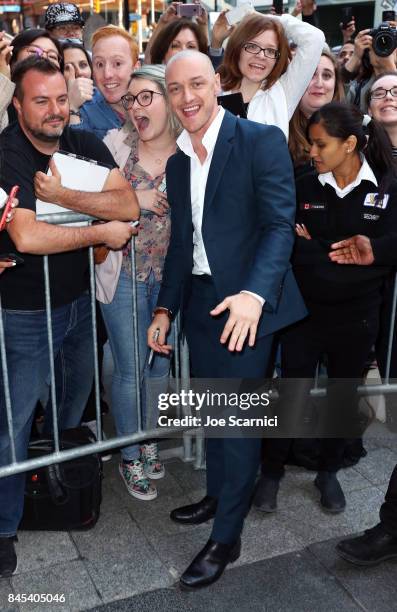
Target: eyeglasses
column 52, row 56
column 379, row 93
column 144, row 98
column 255, row 49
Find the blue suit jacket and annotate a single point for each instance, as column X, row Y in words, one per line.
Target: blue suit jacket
column 248, row 222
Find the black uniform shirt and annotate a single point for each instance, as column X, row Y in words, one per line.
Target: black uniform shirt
column 330, row 218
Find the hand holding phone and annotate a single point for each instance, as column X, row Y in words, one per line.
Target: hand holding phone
column 8, row 207
column 235, row 15
column 11, row 258
column 189, row 10
column 278, row 7
column 388, row 16
column 347, row 16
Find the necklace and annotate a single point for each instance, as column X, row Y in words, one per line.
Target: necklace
column 159, row 161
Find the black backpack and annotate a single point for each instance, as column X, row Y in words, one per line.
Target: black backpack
column 64, row 496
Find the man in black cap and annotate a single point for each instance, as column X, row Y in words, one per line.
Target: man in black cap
column 64, row 20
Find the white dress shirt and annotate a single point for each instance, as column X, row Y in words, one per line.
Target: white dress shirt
column 365, row 174
column 198, row 182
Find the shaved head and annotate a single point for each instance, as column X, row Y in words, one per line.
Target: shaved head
column 190, row 56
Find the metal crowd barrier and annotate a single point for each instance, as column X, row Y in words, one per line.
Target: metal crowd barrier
column 181, row 365
column 193, row 439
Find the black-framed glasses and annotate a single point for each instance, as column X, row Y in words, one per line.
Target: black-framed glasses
column 381, row 92
column 52, row 56
column 144, row 98
column 255, row 49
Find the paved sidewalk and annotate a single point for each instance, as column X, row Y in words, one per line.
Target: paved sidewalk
column 131, row 560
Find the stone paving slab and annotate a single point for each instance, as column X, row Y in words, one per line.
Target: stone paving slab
column 378, row 465
column 121, row 577
column 316, row 525
column 70, row 578
column 374, row 587
column 295, row 582
column 39, row 549
column 136, row 553
column 6, row 589
column 190, row 480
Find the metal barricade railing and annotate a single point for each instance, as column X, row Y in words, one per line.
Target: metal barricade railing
column 193, row 439
column 181, row 361
column 363, row 390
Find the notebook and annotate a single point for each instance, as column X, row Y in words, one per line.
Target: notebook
column 76, row 173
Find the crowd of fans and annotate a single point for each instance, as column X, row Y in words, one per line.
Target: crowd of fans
column 338, row 113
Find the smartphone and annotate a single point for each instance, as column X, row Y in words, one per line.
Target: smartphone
column 8, row 37
column 8, row 207
column 388, row 16
column 11, row 257
column 235, row 15
column 234, row 103
column 278, row 7
column 347, row 16
column 189, row 10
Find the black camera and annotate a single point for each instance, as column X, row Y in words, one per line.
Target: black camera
column 384, row 39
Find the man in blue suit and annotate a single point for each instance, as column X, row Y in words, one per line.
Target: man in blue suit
column 232, row 198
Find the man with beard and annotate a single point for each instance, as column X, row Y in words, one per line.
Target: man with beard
column 41, row 102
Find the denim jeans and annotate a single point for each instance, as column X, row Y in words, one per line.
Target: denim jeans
column 118, row 320
column 28, row 370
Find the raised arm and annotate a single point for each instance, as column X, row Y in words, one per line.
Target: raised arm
column 39, row 238
column 310, row 42
column 117, row 200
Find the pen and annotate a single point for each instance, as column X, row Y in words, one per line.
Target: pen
column 151, row 354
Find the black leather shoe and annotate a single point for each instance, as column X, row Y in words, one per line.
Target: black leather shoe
column 265, row 498
column 8, row 557
column 332, row 496
column 374, row 546
column 209, row 564
column 195, row 514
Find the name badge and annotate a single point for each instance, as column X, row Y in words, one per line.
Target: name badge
column 313, row 205
column 370, row 217
column 371, row 199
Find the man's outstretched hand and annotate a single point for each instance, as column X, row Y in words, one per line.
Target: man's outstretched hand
column 245, row 311
column 355, row 250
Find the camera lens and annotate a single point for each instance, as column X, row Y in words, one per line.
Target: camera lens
column 384, row 42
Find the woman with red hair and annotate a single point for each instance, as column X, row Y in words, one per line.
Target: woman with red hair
column 258, row 64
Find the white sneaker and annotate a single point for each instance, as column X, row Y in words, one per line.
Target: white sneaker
column 138, row 485
column 152, row 466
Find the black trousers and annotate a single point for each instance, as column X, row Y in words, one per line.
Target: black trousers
column 232, row 463
column 347, row 345
column 388, row 511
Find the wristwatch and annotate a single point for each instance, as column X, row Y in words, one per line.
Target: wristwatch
column 162, row 310
column 74, row 113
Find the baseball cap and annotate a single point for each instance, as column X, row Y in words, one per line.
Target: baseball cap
column 61, row 14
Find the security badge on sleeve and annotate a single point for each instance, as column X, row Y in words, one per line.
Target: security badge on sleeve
column 371, row 199
column 313, row 206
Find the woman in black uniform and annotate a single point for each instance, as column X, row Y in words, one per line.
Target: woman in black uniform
column 354, row 192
